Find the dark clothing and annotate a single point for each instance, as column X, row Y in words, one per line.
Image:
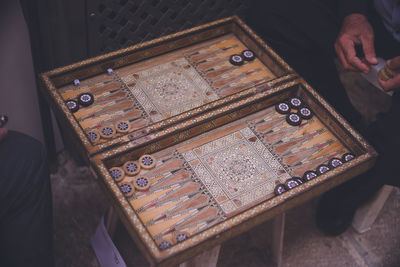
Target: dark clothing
column 25, row 203
column 389, row 11
column 306, row 45
column 347, row 7
column 304, row 33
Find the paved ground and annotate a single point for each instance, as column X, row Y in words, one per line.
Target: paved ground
column 79, row 205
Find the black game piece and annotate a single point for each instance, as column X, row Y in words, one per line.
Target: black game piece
column 248, row 55
column 181, row 237
column 309, row 175
column 282, row 108
column 164, row 245
column 85, row 99
column 323, row 169
column 293, row 119
column 279, row 189
column 305, row 113
column 335, row 162
column 347, row 157
column 72, row 105
column 236, row 60
column 291, row 183
column 295, row 102
column 299, row 180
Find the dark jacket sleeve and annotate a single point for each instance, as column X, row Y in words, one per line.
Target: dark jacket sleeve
column 347, row 7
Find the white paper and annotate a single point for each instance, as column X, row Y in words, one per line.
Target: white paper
column 106, row 252
column 372, row 75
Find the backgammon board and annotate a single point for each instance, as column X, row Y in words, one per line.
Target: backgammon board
column 207, row 179
column 159, row 88
column 160, row 83
column 201, row 135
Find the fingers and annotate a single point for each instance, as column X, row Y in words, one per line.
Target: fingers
column 342, row 58
column 356, row 30
column 391, row 84
column 367, row 41
column 345, row 48
column 394, row 63
column 351, row 57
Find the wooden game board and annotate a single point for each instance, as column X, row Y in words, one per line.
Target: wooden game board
column 170, row 81
column 167, row 85
column 217, row 179
column 219, row 145
column 207, row 179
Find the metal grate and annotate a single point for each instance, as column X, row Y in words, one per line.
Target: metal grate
column 115, row 24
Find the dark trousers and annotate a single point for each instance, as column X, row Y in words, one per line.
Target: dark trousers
column 25, row 203
column 303, row 33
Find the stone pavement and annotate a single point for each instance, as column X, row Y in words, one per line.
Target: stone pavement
column 79, row 204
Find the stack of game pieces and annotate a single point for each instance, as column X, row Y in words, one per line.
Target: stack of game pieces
column 311, row 174
column 108, row 132
column 128, row 175
column 295, row 111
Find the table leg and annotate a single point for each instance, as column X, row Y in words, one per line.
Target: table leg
column 278, row 229
column 208, row 258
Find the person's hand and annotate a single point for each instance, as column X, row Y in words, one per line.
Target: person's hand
column 393, row 83
column 356, row 30
column 3, row 133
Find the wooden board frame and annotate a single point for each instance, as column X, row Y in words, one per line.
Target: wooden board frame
column 256, row 214
column 212, row 115
column 54, row 79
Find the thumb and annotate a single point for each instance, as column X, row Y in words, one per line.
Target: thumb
column 391, row 84
column 369, row 50
column 394, row 63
